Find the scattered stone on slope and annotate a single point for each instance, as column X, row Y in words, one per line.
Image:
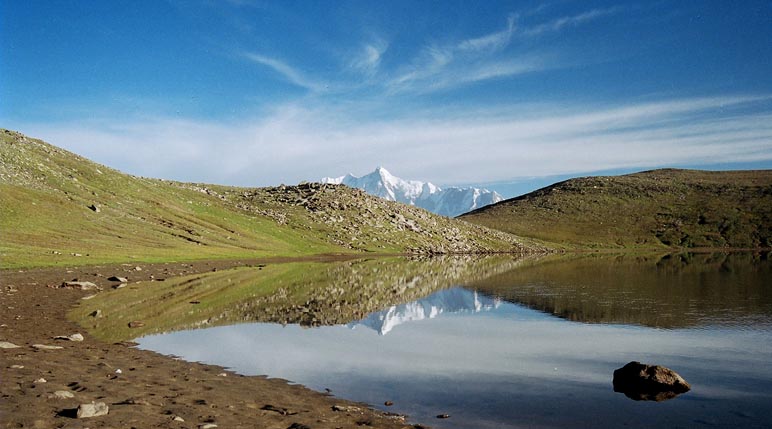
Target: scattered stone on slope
column 73, row 337
column 94, row 409
column 7, row 345
column 61, row 394
column 118, row 279
column 80, row 285
column 46, row 347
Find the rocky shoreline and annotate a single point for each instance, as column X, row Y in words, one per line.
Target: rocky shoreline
column 44, row 387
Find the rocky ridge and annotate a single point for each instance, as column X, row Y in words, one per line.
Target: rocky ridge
column 353, row 219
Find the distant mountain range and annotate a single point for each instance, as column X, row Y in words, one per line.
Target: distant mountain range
column 450, row 201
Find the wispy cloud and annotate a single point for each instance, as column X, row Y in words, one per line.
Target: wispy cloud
column 286, row 71
column 439, row 67
column 308, row 142
column 483, row 58
column 483, row 71
column 566, row 21
column 493, row 41
column 369, row 58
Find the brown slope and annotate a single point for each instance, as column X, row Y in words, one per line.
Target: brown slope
column 658, row 208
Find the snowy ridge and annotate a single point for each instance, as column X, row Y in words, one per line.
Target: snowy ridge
column 451, row 201
column 448, row 301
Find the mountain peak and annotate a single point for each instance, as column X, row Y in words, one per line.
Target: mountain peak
column 450, row 202
column 383, row 173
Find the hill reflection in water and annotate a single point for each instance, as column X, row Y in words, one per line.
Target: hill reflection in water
column 671, row 291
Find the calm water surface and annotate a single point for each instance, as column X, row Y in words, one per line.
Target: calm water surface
column 536, row 346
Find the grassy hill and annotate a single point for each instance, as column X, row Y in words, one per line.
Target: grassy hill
column 651, row 209
column 57, row 208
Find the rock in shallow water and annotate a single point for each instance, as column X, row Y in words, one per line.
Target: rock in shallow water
column 643, row 382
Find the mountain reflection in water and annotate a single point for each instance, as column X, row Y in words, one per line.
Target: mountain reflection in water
column 492, row 363
column 449, row 301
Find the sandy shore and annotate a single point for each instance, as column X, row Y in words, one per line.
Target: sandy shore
column 142, row 389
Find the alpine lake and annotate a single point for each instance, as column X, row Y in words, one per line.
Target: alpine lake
column 482, row 342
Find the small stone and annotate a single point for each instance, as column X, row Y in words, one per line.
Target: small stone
column 17, row 366
column 81, row 285
column 134, row 401
column 7, row 345
column 118, row 279
column 94, row 208
column 119, row 286
column 87, row 297
column 61, row 394
column 178, row 419
column 388, row 403
column 94, row 409
column 222, row 374
column 96, row 313
column 136, row 324
column 207, row 426
column 346, row 409
column 137, row 268
column 46, row 347
column 40, row 380
column 118, row 371
column 73, row 337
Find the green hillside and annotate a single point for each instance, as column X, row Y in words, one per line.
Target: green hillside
column 651, row 209
column 58, row 208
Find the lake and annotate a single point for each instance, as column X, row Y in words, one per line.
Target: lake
column 507, row 343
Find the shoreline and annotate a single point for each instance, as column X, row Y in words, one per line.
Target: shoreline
column 151, row 389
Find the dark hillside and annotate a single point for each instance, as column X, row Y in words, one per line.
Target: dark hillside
column 659, row 208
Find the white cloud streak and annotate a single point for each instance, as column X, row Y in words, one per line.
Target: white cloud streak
column 295, row 144
column 287, row 72
column 482, row 58
column 439, row 67
column 369, row 58
column 562, row 22
column 493, row 41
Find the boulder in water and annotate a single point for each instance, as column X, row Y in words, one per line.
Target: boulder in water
column 643, row 382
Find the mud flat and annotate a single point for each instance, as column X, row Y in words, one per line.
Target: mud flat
column 140, row 388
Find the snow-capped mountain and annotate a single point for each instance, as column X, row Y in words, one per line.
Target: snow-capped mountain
column 451, row 201
column 448, row 301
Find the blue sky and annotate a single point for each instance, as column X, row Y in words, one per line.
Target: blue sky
column 250, row 92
